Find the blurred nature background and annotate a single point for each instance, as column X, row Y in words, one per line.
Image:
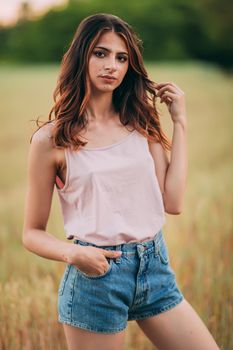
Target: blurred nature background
column 188, row 42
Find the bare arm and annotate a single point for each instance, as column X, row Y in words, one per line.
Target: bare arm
column 41, row 177
column 176, row 176
column 172, row 175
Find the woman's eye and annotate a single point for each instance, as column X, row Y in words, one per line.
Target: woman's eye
column 123, row 58
column 97, row 53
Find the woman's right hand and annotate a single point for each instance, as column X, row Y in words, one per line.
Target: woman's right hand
column 92, row 260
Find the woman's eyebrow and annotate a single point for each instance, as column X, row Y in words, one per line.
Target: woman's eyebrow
column 104, row 48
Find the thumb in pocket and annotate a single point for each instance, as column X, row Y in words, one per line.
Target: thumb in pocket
column 112, row 254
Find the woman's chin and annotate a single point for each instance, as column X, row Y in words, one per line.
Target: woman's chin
column 105, row 88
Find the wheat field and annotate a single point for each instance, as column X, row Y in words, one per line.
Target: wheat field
column 199, row 240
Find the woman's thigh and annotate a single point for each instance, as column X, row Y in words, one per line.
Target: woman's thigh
column 179, row 328
column 80, row 339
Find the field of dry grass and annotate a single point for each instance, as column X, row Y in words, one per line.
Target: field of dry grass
column 200, row 239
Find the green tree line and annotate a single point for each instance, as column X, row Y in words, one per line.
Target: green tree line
column 170, row 30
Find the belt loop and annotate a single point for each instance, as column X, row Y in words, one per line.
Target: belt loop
column 118, row 259
column 156, row 247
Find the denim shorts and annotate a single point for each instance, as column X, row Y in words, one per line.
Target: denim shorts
column 138, row 284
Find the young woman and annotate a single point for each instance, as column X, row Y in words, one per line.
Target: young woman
column 106, row 152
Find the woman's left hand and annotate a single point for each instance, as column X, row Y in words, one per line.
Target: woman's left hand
column 174, row 98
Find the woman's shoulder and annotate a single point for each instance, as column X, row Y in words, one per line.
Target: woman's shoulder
column 42, row 163
column 42, row 145
column 43, row 136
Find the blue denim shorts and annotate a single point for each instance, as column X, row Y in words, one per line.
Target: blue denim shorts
column 138, row 284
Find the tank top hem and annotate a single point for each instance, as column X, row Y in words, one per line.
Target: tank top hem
column 112, row 242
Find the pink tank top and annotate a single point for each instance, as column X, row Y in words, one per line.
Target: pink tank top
column 111, row 194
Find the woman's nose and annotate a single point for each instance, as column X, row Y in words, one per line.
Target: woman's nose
column 111, row 64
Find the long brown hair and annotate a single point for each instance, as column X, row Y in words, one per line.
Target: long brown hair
column 134, row 99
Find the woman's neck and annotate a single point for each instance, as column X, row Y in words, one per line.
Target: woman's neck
column 100, row 108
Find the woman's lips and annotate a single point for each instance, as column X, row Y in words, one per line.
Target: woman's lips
column 108, row 79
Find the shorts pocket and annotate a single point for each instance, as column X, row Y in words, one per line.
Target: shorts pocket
column 110, row 261
column 163, row 253
column 64, row 279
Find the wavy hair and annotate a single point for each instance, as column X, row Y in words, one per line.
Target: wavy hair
column 134, row 99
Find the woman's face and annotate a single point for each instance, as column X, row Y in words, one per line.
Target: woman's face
column 109, row 57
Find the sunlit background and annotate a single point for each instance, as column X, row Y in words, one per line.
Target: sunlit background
column 12, row 10
column 188, row 42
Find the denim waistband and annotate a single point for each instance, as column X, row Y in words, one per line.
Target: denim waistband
column 133, row 247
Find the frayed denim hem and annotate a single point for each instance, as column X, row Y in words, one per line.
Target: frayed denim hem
column 91, row 329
